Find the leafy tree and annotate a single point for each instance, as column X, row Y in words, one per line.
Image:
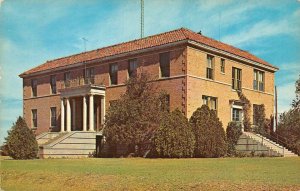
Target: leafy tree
column 233, row 133
column 289, row 123
column 21, row 142
column 209, row 133
column 174, row 138
column 132, row 119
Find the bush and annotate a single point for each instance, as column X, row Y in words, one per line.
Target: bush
column 21, row 142
column 174, row 138
column 209, row 133
column 233, row 133
column 133, row 119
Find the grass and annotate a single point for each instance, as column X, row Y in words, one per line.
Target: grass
column 152, row 174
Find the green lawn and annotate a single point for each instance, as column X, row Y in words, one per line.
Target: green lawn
column 152, row 174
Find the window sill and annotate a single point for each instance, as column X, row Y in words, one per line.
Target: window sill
column 33, row 128
column 223, row 73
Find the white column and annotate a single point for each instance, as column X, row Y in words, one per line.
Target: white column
column 102, row 109
column 91, row 113
column 84, row 114
column 74, row 114
column 68, row 115
column 62, row 115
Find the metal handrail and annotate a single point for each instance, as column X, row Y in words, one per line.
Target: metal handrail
column 270, row 141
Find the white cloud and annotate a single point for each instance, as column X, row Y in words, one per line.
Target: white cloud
column 286, row 93
column 1, row 1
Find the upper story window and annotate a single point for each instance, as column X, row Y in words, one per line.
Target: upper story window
column 53, row 84
column 258, row 82
column 89, row 76
column 236, row 79
column 132, row 67
column 53, row 116
column 34, row 87
column 34, row 118
column 211, row 102
column 67, row 78
column 210, row 67
column 222, row 65
column 164, row 64
column 113, row 73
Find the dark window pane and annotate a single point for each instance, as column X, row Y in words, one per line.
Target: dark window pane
column 164, row 62
column 113, row 73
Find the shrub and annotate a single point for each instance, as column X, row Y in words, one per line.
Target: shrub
column 259, row 112
column 174, row 138
column 21, row 141
column 233, row 133
column 133, row 119
column 209, row 133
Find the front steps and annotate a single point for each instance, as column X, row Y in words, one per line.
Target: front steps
column 68, row 144
column 256, row 144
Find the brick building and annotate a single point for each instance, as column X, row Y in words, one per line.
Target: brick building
column 72, row 93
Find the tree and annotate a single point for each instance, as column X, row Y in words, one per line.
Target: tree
column 233, row 133
column 209, row 133
column 174, row 138
column 21, row 142
column 289, row 123
column 132, row 119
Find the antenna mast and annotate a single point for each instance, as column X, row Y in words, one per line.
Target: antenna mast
column 142, row 18
column 84, row 42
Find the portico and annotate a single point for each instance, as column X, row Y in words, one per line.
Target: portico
column 82, row 108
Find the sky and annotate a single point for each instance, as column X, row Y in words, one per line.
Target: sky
column 34, row 31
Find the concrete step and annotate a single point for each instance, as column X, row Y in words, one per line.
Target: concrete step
column 270, row 144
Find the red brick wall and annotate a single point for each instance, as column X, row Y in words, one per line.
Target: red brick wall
column 146, row 62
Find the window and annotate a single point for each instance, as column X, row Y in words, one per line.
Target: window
column 67, row 78
column 236, row 115
column 222, row 65
column 53, row 84
column 89, row 76
column 53, row 116
column 209, row 68
column 34, row 118
column 258, row 82
column 165, row 102
column 236, row 79
column 132, row 66
column 164, row 64
column 211, row 102
column 34, row 87
column 113, row 73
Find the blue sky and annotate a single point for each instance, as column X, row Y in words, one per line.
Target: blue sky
column 34, row 31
